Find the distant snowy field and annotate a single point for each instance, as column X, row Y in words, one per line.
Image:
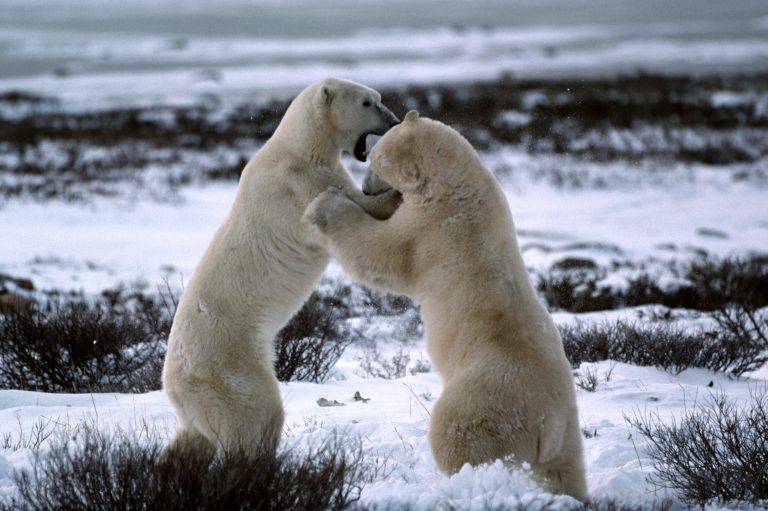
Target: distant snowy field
column 94, row 52
column 99, row 54
column 95, row 246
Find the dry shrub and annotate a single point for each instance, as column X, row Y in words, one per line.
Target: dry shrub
column 713, row 285
column 664, row 345
column 375, row 365
column 81, row 345
column 715, row 452
column 119, row 472
column 313, row 341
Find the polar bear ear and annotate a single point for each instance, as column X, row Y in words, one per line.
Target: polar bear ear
column 326, row 94
column 411, row 172
column 411, row 116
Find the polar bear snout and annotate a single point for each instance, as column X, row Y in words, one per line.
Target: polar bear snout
column 374, row 184
column 390, row 119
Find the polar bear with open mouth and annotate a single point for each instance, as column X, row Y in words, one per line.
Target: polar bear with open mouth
column 261, row 266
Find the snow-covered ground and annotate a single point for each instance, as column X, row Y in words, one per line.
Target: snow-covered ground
column 393, row 427
column 96, row 53
column 103, row 243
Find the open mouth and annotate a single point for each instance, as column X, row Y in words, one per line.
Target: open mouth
column 363, row 147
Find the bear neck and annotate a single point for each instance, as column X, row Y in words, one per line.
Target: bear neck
column 460, row 192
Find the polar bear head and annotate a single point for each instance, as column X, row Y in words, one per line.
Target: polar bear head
column 408, row 153
column 351, row 112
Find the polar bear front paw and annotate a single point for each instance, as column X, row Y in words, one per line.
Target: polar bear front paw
column 326, row 207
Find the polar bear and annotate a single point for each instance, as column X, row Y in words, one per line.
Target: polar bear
column 451, row 246
column 260, row 266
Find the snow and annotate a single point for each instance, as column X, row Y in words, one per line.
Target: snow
column 393, row 426
column 475, row 58
column 638, row 214
column 97, row 245
column 107, row 242
column 248, row 51
column 94, row 246
column 104, row 243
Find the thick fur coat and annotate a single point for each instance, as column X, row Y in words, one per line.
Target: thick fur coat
column 451, row 246
column 259, row 268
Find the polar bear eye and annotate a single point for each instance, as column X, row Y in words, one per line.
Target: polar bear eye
column 366, row 103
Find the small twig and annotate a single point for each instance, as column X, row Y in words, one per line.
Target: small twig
column 417, row 398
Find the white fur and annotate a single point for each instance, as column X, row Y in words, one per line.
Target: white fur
column 260, row 267
column 451, row 246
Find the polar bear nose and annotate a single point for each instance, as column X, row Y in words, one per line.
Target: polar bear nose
column 390, row 118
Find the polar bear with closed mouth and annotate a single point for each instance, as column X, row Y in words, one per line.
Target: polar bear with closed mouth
column 259, row 268
column 451, row 246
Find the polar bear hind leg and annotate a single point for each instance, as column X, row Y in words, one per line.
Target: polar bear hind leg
column 237, row 412
column 188, row 440
column 467, row 426
column 467, row 430
column 565, row 474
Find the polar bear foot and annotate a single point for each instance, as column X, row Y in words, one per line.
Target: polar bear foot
column 188, row 441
